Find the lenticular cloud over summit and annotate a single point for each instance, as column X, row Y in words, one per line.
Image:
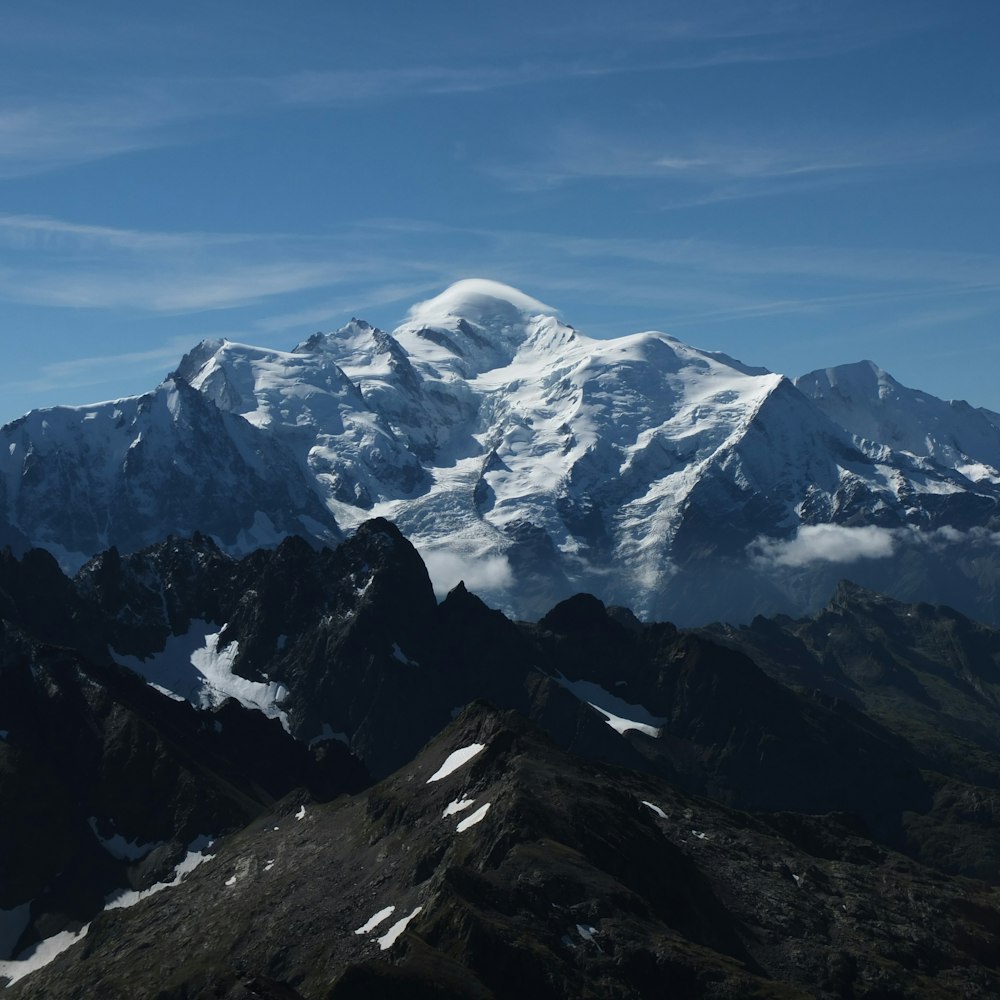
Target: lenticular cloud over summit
column 477, row 299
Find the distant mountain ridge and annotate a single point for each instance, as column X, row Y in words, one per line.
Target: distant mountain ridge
column 533, row 461
column 796, row 808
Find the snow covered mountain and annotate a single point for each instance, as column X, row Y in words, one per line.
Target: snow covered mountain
column 875, row 408
column 130, row 471
column 532, row 461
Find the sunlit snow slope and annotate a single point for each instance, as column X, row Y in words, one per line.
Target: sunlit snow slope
column 516, row 452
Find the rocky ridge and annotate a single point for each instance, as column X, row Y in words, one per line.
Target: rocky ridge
column 366, row 657
column 495, row 865
column 106, row 784
column 828, row 786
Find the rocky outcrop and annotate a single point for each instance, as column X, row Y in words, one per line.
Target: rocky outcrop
column 825, row 785
column 496, row 865
column 105, row 781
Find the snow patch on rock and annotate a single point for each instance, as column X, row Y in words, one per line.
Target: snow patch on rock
column 619, row 714
column 474, row 818
column 392, row 935
column 455, row 760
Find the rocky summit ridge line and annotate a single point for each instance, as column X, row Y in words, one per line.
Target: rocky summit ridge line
column 534, row 461
column 495, row 865
column 801, row 807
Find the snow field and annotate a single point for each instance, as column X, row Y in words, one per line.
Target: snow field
column 372, row 922
column 473, row 819
column 483, row 386
column 39, row 955
column 389, row 938
column 118, row 847
column 327, row 734
column 12, row 925
column 392, row 934
column 456, row 806
column 193, row 667
column 195, row 856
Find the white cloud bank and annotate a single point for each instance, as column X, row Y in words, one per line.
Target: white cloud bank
column 835, row 543
column 447, row 567
column 831, row 543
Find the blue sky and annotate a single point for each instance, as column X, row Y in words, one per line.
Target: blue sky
column 799, row 184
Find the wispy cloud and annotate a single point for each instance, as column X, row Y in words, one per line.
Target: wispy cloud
column 46, row 134
column 481, row 573
column 60, row 263
column 355, row 302
column 700, row 34
column 193, row 288
column 39, row 134
column 351, row 87
column 373, row 264
column 705, row 169
column 91, row 115
column 698, row 281
column 858, row 264
column 83, row 372
column 39, row 232
column 841, row 544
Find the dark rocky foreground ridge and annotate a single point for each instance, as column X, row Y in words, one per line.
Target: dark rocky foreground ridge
column 90, row 752
column 580, row 880
column 830, row 787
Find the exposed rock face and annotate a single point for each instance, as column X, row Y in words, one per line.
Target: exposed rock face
column 791, row 808
column 875, row 408
column 104, row 781
column 928, row 674
column 524, row 871
column 366, row 657
column 129, row 472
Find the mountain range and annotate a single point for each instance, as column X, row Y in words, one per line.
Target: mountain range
column 486, row 659
column 534, row 462
column 275, row 777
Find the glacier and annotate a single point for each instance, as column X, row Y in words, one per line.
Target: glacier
column 528, row 459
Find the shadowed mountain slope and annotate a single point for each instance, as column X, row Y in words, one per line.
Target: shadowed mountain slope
column 496, row 865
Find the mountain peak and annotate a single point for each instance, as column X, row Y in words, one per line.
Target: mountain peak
column 196, row 358
column 872, row 405
column 859, row 378
column 473, row 326
column 524, row 456
column 357, row 331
